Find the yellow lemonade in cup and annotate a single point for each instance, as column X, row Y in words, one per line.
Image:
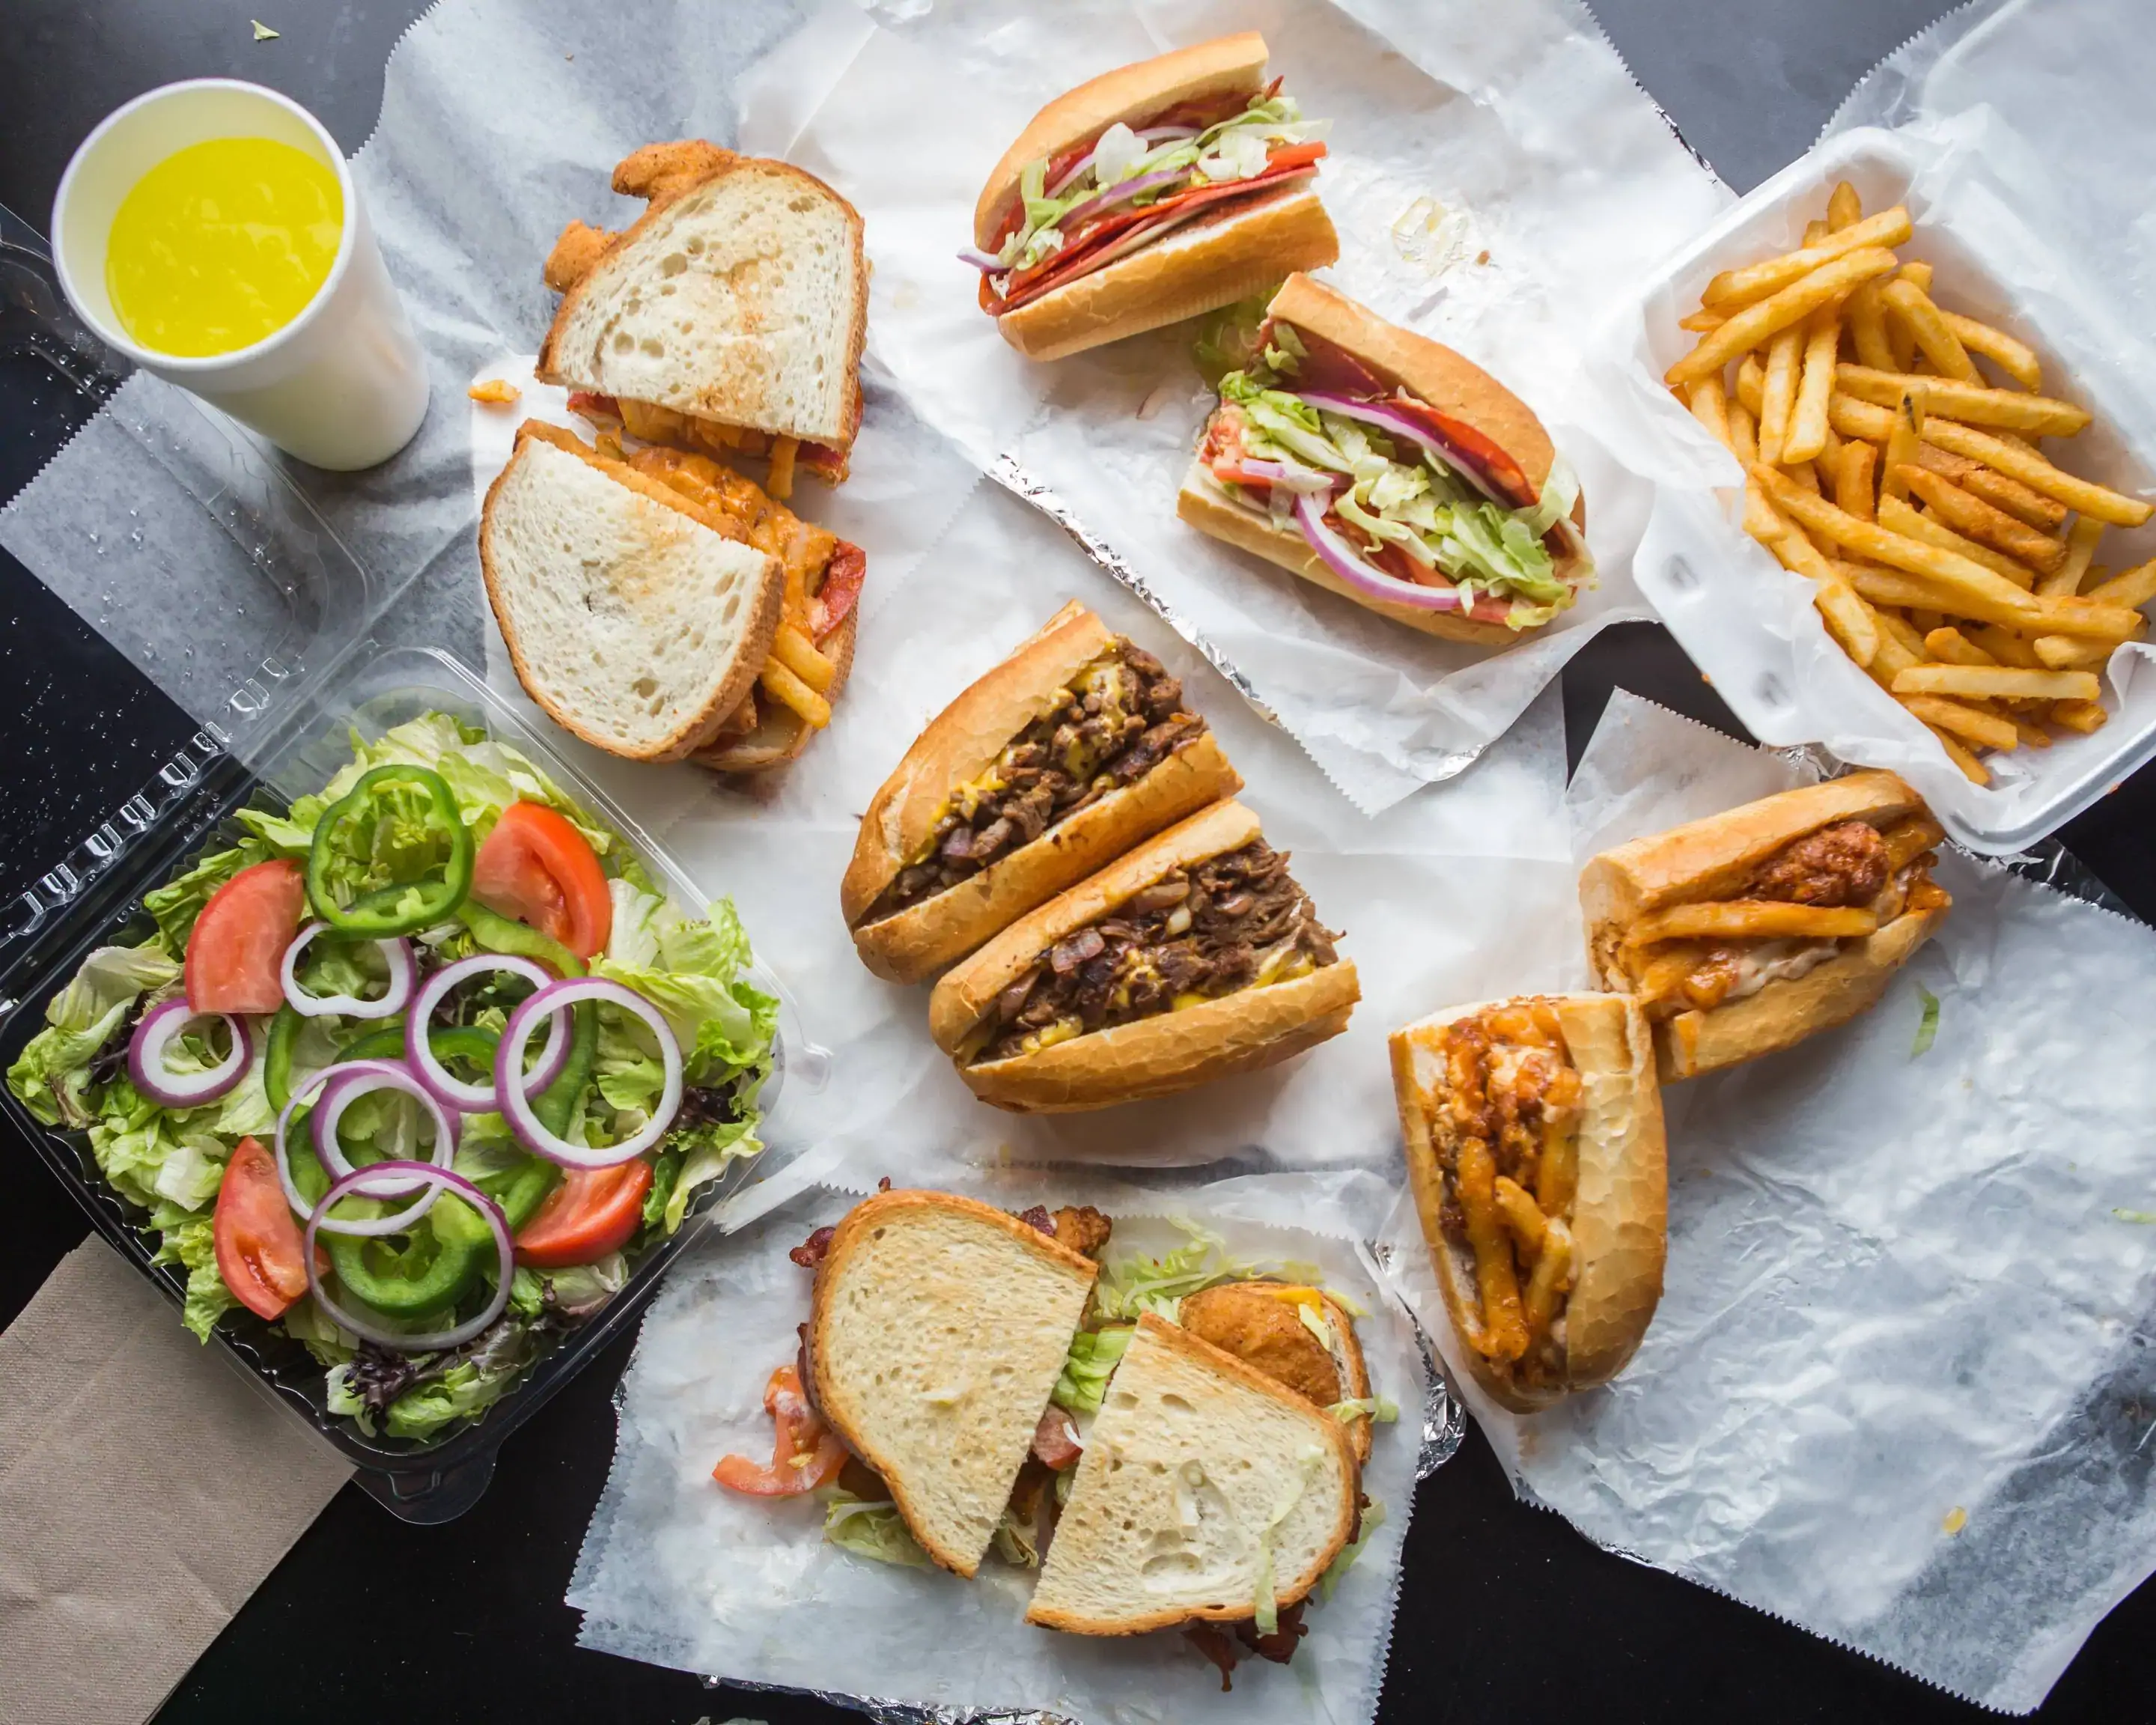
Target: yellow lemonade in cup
column 222, row 244
column 212, row 234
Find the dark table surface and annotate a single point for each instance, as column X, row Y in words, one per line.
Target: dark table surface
column 1505, row 1609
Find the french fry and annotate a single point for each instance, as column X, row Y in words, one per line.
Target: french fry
column 1901, row 340
column 782, row 686
column 2015, row 358
column 2065, row 653
column 1778, row 394
column 2007, row 647
column 1902, row 438
column 1923, row 619
column 1809, row 431
column 1950, row 646
column 1971, row 722
column 1972, row 403
column 1751, row 385
column 2081, row 716
column 2047, row 515
column 1853, row 484
column 1802, row 473
column 1896, row 587
column 779, row 481
column 1899, row 517
column 1848, row 619
column 2019, row 461
column 1893, row 625
column 1757, row 282
column 1702, row 321
column 1989, row 682
column 1917, row 274
column 1789, row 306
column 2065, row 576
column 1709, row 403
column 2033, row 737
column 1524, row 1216
column 1971, row 517
column 2135, row 587
column 1844, row 208
column 1860, row 419
column 794, row 650
column 1958, row 580
column 1913, row 307
column 1760, row 520
column 1753, row 919
column 1973, row 769
column 1908, row 840
column 1866, row 315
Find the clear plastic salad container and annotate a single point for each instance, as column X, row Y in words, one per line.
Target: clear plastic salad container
column 303, row 606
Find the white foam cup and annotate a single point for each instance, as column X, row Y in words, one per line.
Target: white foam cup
column 344, row 384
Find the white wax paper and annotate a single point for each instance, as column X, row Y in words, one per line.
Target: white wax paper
column 676, row 1571
column 1901, row 1290
column 2018, row 136
column 1496, row 175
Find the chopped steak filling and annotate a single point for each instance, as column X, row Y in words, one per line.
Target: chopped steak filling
column 1117, row 721
column 1234, row 922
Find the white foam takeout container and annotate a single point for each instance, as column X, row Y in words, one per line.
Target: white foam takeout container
column 1749, row 624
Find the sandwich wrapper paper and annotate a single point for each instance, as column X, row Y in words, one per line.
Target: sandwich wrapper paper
column 2020, row 128
column 1899, row 1390
column 1495, row 174
column 677, row 1571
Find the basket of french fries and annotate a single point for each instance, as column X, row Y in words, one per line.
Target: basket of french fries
column 1966, row 517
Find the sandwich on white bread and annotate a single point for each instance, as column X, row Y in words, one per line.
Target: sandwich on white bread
column 1207, row 1491
column 1385, row 467
column 1195, row 957
column 1535, row 1151
column 729, row 317
column 1047, row 768
column 1148, row 195
column 939, row 1327
column 631, row 619
column 1299, row 1337
column 1747, row 931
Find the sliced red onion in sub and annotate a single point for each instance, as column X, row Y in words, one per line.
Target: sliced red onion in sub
column 154, row 1036
column 1396, row 424
column 1339, row 557
column 368, row 1183
column 479, row 1097
column 403, row 974
column 558, row 998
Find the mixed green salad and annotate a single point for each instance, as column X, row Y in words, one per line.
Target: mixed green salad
column 416, row 1070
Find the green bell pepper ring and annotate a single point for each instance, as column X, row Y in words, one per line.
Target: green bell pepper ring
column 277, row 1056
column 408, row 905
column 497, row 933
column 439, row 1264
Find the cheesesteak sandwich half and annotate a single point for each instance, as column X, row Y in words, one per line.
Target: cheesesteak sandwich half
column 1387, row 469
column 1535, row 1151
column 1060, row 758
column 1148, row 195
column 1745, row 932
column 1195, row 956
column 729, row 318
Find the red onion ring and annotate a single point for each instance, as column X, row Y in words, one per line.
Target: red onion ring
column 453, row 1092
column 154, row 1034
column 1148, row 134
column 1339, row 557
column 440, row 1179
column 517, row 1106
column 1122, row 193
column 344, row 1086
column 1399, row 424
column 403, row 973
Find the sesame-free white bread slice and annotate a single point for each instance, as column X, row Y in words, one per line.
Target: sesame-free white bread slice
column 632, row 625
column 940, row 1327
column 1198, row 1466
column 742, row 300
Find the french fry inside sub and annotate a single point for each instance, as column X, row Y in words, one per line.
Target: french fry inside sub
column 1916, row 464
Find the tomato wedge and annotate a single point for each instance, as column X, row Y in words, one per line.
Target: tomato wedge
column 592, row 1212
column 536, row 867
column 805, row 1454
column 259, row 1249
column 236, row 952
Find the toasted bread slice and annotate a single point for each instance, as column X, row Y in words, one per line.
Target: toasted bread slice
column 631, row 619
column 939, row 1327
column 1205, row 1483
column 739, row 296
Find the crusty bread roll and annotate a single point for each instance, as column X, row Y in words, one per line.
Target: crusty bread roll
column 631, row 619
column 1239, row 1032
column 938, row 1329
column 1212, row 260
column 1713, row 858
column 1276, row 1479
column 962, row 742
column 1618, row 1216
